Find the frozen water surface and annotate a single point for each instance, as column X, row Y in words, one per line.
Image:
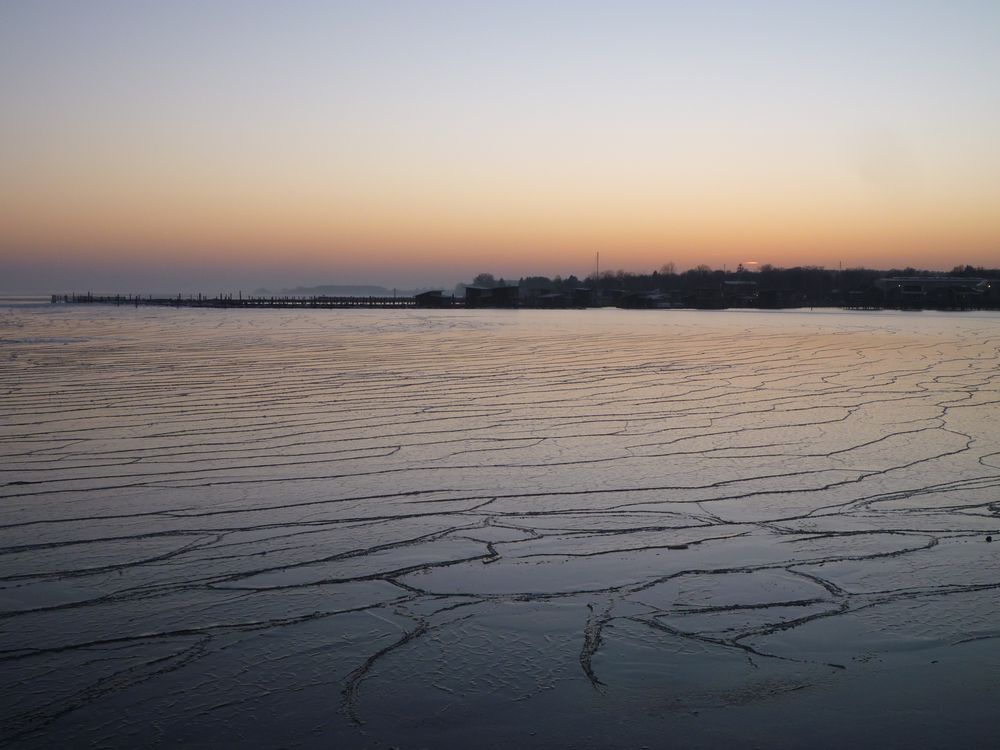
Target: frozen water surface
column 454, row 529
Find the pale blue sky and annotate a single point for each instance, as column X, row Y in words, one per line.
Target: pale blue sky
column 486, row 114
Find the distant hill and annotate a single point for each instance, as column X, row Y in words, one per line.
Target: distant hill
column 339, row 290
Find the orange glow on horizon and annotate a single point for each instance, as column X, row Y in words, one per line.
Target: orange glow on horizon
column 633, row 232
column 506, row 211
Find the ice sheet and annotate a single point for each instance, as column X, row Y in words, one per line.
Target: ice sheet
column 551, row 528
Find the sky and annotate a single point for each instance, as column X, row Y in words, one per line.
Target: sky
column 206, row 146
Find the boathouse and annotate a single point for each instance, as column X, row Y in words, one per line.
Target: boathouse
column 434, row 299
column 486, row 296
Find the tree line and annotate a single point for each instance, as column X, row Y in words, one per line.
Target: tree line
column 808, row 285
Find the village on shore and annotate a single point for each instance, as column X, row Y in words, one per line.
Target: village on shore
column 963, row 288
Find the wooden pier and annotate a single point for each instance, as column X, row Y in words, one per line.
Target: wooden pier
column 234, row 301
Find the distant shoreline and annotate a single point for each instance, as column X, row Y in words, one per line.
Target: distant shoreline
column 433, row 302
